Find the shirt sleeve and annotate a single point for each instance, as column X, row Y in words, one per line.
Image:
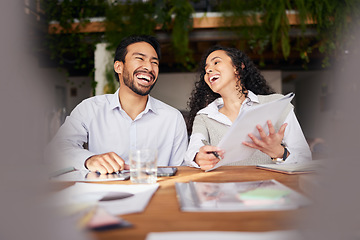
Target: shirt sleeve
column 67, row 147
column 199, row 132
column 179, row 143
column 295, row 141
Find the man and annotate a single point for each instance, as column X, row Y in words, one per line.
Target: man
column 113, row 124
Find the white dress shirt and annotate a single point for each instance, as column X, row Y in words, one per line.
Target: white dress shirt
column 293, row 139
column 102, row 124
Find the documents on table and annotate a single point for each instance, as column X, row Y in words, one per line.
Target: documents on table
column 131, row 198
column 246, row 123
column 216, row 235
column 294, row 168
column 238, row 196
column 96, row 206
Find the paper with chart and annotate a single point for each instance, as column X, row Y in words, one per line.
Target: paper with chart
column 266, row 195
column 246, row 123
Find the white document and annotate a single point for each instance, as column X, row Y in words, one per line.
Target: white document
column 246, row 123
column 216, row 235
column 87, row 193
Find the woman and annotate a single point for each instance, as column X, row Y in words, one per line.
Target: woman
column 229, row 84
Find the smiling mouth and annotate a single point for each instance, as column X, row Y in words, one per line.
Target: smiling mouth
column 145, row 78
column 214, row 78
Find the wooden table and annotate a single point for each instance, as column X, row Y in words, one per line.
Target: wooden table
column 163, row 213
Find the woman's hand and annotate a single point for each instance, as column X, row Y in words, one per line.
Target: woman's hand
column 268, row 144
column 206, row 159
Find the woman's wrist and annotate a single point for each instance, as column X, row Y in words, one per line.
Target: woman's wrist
column 281, row 155
column 279, row 152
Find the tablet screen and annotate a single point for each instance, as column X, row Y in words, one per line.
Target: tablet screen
column 87, row 176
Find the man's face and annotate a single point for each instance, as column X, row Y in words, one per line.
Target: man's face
column 141, row 68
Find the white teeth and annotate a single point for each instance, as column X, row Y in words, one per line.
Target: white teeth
column 147, row 78
column 214, row 78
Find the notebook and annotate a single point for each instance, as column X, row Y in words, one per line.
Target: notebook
column 294, row 168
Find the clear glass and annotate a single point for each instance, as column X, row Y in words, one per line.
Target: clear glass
column 143, row 166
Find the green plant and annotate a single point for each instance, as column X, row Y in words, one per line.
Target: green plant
column 260, row 24
column 126, row 19
column 71, row 48
column 74, row 50
column 173, row 17
column 182, row 25
column 264, row 23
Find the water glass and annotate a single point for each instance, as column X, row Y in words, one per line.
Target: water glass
column 143, row 165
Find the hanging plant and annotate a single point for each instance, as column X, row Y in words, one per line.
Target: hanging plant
column 182, row 25
column 125, row 19
column 172, row 16
column 261, row 24
column 71, row 48
column 263, row 21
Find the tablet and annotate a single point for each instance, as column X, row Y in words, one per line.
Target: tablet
column 87, row 176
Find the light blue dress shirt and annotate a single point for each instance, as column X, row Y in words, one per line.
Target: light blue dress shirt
column 105, row 126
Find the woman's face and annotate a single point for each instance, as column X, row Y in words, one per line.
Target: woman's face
column 220, row 73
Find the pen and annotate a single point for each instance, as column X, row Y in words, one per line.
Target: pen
column 213, row 152
column 122, row 171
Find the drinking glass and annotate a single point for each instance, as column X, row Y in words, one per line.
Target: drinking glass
column 143, row 165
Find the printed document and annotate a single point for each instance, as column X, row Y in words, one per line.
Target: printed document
column 92, row 193
column 246, row 123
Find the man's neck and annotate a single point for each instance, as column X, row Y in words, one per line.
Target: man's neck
column 133, row 104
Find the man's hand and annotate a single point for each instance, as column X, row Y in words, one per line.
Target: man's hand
column 205, row 159
column 106, row 163
column 268, row 144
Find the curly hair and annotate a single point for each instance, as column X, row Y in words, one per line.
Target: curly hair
column 248, row 78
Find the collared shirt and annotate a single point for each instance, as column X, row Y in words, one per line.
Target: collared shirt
column 102, row 124
column 293, row 139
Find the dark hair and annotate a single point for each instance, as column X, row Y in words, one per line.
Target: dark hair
column 121, row 49
column 248, row 78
